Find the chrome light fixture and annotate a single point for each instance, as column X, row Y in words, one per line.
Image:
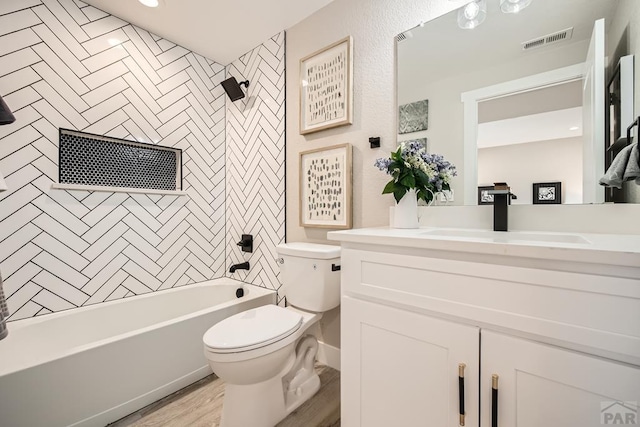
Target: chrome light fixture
column 513, row 6
column 472, row 14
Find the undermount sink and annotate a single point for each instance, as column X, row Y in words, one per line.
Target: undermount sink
column 508, row 236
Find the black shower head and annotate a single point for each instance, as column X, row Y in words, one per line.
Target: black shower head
column 233, row 89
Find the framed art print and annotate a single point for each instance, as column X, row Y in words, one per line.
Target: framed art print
column 484, row 198
column 325, row 187
column 413, row 117
column 326, row 87
column 547, row 193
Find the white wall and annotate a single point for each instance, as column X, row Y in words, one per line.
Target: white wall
column 520, row 165
column 63, row 249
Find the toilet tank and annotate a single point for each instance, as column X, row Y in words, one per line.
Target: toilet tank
column 310, row 279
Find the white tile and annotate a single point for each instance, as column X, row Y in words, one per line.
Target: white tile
column 175, row 275
column 29, row 309
column 19, row 258
column 16, row 21
column 204, row 259
column 60, row 232
column 17, row 41
column 54, row 116
column 60, row 269
column 105, row 58
column 173, row 124
column 173, row 68
column 105, row 41
column 171, row 251
column 63, row 50
column 19, row 278
column 173, row 82
column 142, row 214
column 8, row 6
column 142, row 275
column 105, row 241
column 93, row 14
column 119, row 292
column 105, row 274
column 19, row 102
column 17, row 80
column 18, row 160
column 172, row 265
column 62, row 215
column 165, row 45
column 142, row 245
column 51, row 301
column 142, row 260
column 64, row 20
column 173, row 234
column 150, row 42
column 69, row 202
column 105, row 75
column 173, row 110
column 61, row 288
column 17, row 60
column 142, row 48
column 98, row 229
column 17, row 239
column 17, row 200
column 144, row 125
column 173, row 223
column 103, row 26
column 195, row 275
column 108, row 291
column 66, row 73
column 104, row 126
column 142, row 93
column 60, row 85
column 172, row 54
column 107, row 256
column 74, row 10
column 104, row 92
column 142, row 108
column 174, row 96
column 141, row 229
column 135, row 286
column 60, row 250
column 105, row 108
column 142, row 78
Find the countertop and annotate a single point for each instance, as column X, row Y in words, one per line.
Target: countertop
column 611, row 249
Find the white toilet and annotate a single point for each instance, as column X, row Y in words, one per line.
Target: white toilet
column 264, row 355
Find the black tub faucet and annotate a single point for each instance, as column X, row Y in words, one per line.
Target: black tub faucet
column 241, row 266
column 502, row 196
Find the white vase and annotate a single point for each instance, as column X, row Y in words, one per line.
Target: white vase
column 406, row 211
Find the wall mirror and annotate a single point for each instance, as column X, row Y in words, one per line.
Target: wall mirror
column 519, row 98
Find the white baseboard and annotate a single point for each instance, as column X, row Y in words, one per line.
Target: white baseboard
column 329, row 355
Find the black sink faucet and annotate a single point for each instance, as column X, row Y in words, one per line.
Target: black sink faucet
column 502, row 196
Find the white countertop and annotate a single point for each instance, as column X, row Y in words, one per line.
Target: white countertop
column 612, row 249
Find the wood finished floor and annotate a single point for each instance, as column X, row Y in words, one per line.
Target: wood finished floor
column 200, row 405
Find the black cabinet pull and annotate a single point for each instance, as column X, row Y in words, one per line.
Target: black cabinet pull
column 461, row 367
column 494, row 400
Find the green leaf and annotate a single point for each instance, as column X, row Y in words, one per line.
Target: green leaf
column 422, row 177
column 408, row 181
column 399, row 192
column 389, row 188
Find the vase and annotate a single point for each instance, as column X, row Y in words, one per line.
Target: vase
column 406, row 211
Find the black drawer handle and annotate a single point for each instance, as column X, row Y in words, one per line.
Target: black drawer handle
column 461, row 367
column 494, row 400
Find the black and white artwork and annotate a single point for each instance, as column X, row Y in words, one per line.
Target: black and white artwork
column 325, row 187
column 484, row 198
column 325, row 93
column 545, row 193
column 421, row 141
column 413, row 117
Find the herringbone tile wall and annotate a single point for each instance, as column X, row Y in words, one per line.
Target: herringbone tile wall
column 66, row 64
column 256, row 162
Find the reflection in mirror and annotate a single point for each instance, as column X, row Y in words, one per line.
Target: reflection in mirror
column 521, row 135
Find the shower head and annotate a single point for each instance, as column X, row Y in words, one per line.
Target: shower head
column 233, row 89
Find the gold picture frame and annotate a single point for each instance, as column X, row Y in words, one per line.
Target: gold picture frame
column 326, row 87
column 326, row 187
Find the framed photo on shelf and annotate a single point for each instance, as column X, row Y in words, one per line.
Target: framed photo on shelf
column 325, row 187
column 547, row 193
column 326, row 87
column 484, row 198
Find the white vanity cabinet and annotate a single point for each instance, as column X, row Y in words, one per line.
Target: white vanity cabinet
column 563, row 337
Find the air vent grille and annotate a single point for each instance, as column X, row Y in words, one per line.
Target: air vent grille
column 403, row 36
column 557, row 37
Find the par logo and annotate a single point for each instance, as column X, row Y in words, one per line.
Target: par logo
column 620, row 413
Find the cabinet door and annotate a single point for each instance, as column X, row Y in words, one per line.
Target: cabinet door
column 400, row 368
column 542, row 385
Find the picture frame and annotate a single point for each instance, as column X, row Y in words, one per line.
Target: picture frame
column 484, row 198
column 547, row 193
column 421, row 141
column 326, row 87
column 326, row 187
column 413, row 117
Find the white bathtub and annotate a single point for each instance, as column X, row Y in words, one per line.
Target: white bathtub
column 93, row 365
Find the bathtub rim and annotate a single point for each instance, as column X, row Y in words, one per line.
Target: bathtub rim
column 256, row 291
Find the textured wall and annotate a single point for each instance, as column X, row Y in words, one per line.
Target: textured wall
column 62, row 249
column 255, row 162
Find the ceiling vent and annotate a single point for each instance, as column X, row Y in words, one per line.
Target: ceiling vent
column 557, row 37
column 403, row 36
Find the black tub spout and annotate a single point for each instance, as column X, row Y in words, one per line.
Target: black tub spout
column 241, row 266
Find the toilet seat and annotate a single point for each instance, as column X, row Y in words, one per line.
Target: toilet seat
column 252, row 329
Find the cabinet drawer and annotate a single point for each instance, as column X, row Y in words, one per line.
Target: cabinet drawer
column 589, row 311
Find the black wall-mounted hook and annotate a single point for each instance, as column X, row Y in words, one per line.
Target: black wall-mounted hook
column 246, row 244
column 374, row 141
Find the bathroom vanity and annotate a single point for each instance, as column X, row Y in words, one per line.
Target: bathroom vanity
column 555, row 316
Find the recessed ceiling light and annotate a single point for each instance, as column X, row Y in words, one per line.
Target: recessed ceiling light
column 150, row 3
column 574, row 128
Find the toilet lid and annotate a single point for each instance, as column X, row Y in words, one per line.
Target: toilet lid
column 252, row 329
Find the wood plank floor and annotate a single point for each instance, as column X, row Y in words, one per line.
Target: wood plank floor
column 200, row 405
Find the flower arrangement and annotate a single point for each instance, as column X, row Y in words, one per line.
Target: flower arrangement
column 413, row 168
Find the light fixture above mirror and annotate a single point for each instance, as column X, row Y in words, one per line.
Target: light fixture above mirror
column 474, row 13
